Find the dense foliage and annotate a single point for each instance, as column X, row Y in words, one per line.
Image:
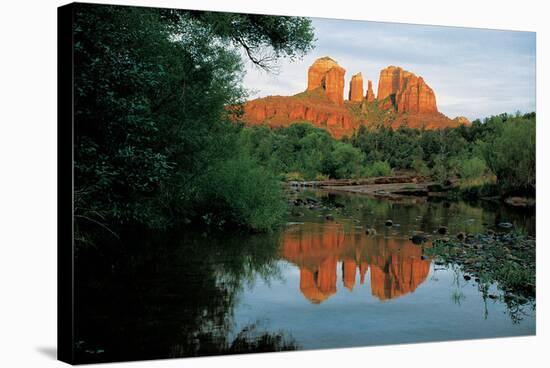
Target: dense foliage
column 499, row 149
column 152, row 126
column 303, row 151
column 511, row 153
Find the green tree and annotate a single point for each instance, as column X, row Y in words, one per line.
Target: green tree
column 472, row 168
column 346, row 161
column 152, row 94
column 511, row 155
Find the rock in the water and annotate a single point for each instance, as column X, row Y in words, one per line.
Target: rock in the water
column 506, row 225
column 461, row 236
column 418, row 238
column 370, row 231
column 467, row 277
column 389, row 223
column 312, row 200
column 329, row 217
column 443, row 230
column 520, row 201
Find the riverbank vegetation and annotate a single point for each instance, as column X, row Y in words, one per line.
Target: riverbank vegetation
column 155, row 144
column 495, row 156
column 506, row 259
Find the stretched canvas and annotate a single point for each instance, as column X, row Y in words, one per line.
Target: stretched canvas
column 242, row 183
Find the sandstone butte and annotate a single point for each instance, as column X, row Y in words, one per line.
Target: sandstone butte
column 404, row 99
column 356, row 88
column 396, row 266
column 370, row 93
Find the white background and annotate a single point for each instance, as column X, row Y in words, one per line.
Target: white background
column 28, row 182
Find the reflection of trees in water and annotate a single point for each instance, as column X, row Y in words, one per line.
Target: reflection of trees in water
column 516, row 310
column 426, row 214
column 148, row 298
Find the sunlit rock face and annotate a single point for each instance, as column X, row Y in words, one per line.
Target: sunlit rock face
column 322, row 103
column 280, row 111
column 409, row 92
column 356, row 88
column 370, row 93
column 318, row 71
column 395, row 265
column 462, row 120
column 328, row 76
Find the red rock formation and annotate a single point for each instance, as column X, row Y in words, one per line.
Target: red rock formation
column 417, row 96
column 323, row 105
column 410, row 93
column 326, row 74
column 462, row 120
column 356, row 88
column 280, row 111
column 370, row 93
column 391, row 81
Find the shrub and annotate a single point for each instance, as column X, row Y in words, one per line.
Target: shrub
column 346, row 161
column 420, row 166
column 378, row 168
column 294, row 176
column 472, row 168
column 242, row 193
column 511, row 156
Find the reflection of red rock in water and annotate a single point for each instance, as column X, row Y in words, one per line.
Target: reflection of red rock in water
column 316, row 253
column 348, row 273
column 363, row 268
column 320, row 284
column 395, row 264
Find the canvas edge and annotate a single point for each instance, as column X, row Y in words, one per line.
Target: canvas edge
column 65, row 186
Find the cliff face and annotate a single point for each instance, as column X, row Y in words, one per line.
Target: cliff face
column 327, row 75
column 356, row 88
column 410, row 93
column 404, row 99
column 280, row 111
column 370, row 93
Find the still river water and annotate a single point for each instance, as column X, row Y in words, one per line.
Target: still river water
column 317, row 283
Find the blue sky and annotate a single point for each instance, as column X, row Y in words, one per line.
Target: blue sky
column 474, row 72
